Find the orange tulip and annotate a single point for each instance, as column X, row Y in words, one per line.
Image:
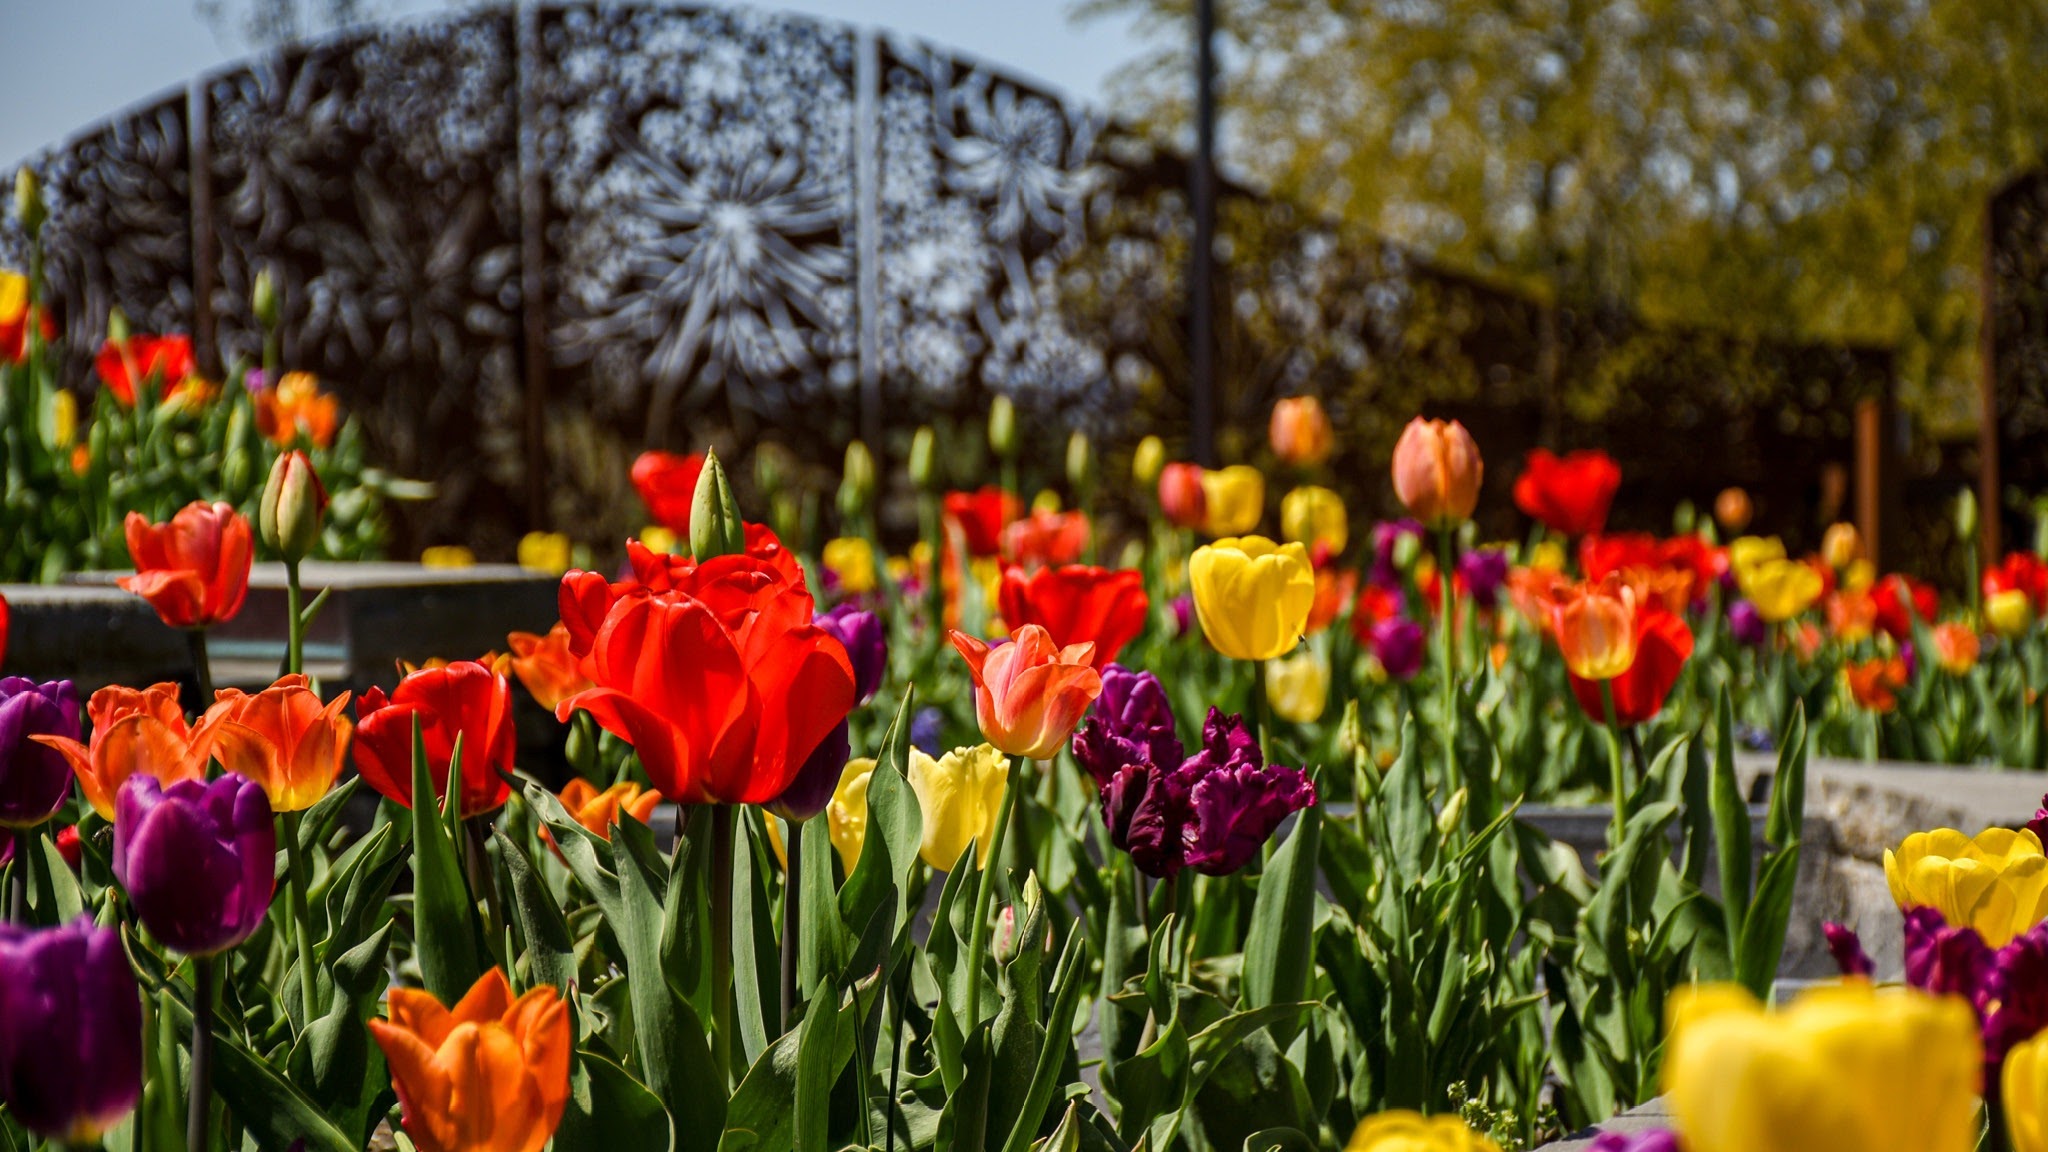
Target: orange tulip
column 134, row 730
column 283, row 738
column 1956, row 647
column 489, row 1075
column 1300, row 431
column 1531, row 590
column 1437, row 471
column 297, row 405
column 1595, row 626
column 1874, row 684
column 546, row 665
column 193, row 569
column 598, row 811
column 1852, row 616
column 1029, row 693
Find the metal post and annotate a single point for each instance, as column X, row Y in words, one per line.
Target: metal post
column 1202, row 260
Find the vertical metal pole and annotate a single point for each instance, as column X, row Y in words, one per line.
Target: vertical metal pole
column 533, row 304
column 867, row 224
column 1202, row 259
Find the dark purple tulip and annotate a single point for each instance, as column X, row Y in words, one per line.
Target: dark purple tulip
column 1747, row 624
column 70, row 1030
column 1131, row 723
column 808, row 794
column 1651, row 1140
column 198, row 859
column 1484, row 570
column 1144, row 807
column 2017, row 1006
column 1847, row 950
column 1946, row 960
column 34, row 778
column 1234, row 801
column 1399, row 644
column 1183, row 614
column 2039, row 824
column 860, row 633
column 1386, row 535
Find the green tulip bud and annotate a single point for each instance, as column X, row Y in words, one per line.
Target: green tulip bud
column 1966, row 514
column 1147, row 462
column 1407, row 549
column 1002, row 427
column 28, row 201
column 1454, row 811
column 857, row 479
column 715, row 525
column 924, row 450
column 288, row 519
column 117, row 325
column 263, row 299
column 1080, row 461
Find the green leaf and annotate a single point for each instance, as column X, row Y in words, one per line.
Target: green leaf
column 821, row 939
column 444, row 916
column 1763, row 932
column 550, row 949
column 756, row 968
column 270, row 1107
column 815, row 1071
column 1052, row 1054
column 1279, row 950
column 61, row 884
column 1788, row 784
column 609, row 1111
column 760, row 1116
column 1411, row 827
column 670, row 1038
column 895, row 830
column 1731, row 825
column 963, row 1125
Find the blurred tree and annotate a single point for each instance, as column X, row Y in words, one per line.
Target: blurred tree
column 271, row 23
column 1813, row 169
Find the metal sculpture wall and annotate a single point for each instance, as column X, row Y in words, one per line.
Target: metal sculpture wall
column 2016, row 312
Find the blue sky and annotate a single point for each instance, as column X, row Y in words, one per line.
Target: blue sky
column 71, row 62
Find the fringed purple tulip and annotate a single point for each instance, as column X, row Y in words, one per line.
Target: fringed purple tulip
column 198, row 860
column 1399, row 644
column 1145, row 809
column 1131, row 723
column 1747, row 624
column 867, row 646
column 70, row 1030
column 34, row 778
column 2017, row 1006
column 1847, row 949
column 1947, row 961
column 1484, row 570
column 1234, row 801
column 808, row 794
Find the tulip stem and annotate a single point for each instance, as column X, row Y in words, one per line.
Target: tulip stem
column 1618, row 767
column 17, row 883
column 1260, row 709
column 202, row 668
column 977, row 940
column 199, row 1106
column 721, row 942
column 295, row 635
column 792, row 917
column 302, row 916
column 1448, row 608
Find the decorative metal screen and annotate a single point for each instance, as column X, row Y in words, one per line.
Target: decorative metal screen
column 2017, row 310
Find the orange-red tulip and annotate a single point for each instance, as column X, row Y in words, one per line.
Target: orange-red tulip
column 1046, row 538
column 667, row 484
column 1437, row 472
column 1874, row 684
column 134, row 731
column 1663, row 645
column 981, row 517
column 1182, row 499
column 1956, row 647
column 598, row 811
column 296, row 406
column 194, row 570
column 546, row 665
column 1571, row 493
column 466, row 699
column 283, row 738
column 1030, row 693
column 167, row 360
column 1300, row 431
column 1078, row 605
column 489, row 1075
column 1595, row 627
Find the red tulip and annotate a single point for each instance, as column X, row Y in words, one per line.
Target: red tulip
column 1894, row 594
column 1078, row 604
column 658, row 571
column 140, row 359
column 1663, row 644
column 667, row 484
column 720, row 681
column 1046, row 538
column 1601, row 554
column 464, row 698
column 193, row 570
column 2019, row 572
column 1182, row 499
column 1569, row 494
column 982, row 516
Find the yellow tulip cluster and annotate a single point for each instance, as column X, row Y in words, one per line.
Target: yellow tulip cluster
column 1779, row 587
column 1995, row 882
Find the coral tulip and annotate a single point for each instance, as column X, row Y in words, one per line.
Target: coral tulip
column 1568, row 494
column 166, row 361
column 1595, row 627
column 194, row 569
column 297, row 407
column 846, row 816
column 1300, row 431
column 490, row 1074
column 1995, row 883
column 198, row 860
column 1315, row 517
column 981, row 517
column 35, row 778
column 718, row 677
column 960, row 794
column 466, row 699
column 1848, row 1067
column 1733, row 509
column 1298, row 686
column 1078, row 604
column 1956, row 647
column 70, row 1031
column 598, row 811
column 133, row 732
column 1253, row 596
column 1182, row 498
column 1046, row 538
column 1029, row 693
column 283, row 738
column 667, row 484
column 1414, row 1132
column 1437, row 472
column 1233, row 499
column 546, row 666
column 1663, row 645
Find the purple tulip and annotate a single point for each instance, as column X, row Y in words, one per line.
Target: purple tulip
column 928, row 730
column 1131, row 723
column 1144, row 807
column 2039, row 824
column 1847, row 950
column 860, row 633
column 1649, row 1140
column 811, row 790
column 1747, row 624
column 34, row 778
column 1235, row 802
column 2018, row 1001
column 70, row 1030
column 1386, row 536
column 198, row 860
column 1399, row 644
column 1484, row 570
column 1945, row 960
column 1183, row 614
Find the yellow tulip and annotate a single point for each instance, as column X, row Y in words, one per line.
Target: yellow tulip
column 1780, row 589
column 1849, row 1068
column 2008, row 613
column 1996, row 883
column 960, row 794
column 847, row 815
column 1547, row 556
column 1414, row 1132
column 852, row 560
column 655, row 538
column 1859, row 576
column 13, row 296
column 1315, row 516
column 544, row 552
column 1298, row 686
column 1749, row 551
column 447, row 556
column 2026, row 1094
column 1147, row 460
column 1841, row 545
column 1233, row 500
column 1252, row 596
